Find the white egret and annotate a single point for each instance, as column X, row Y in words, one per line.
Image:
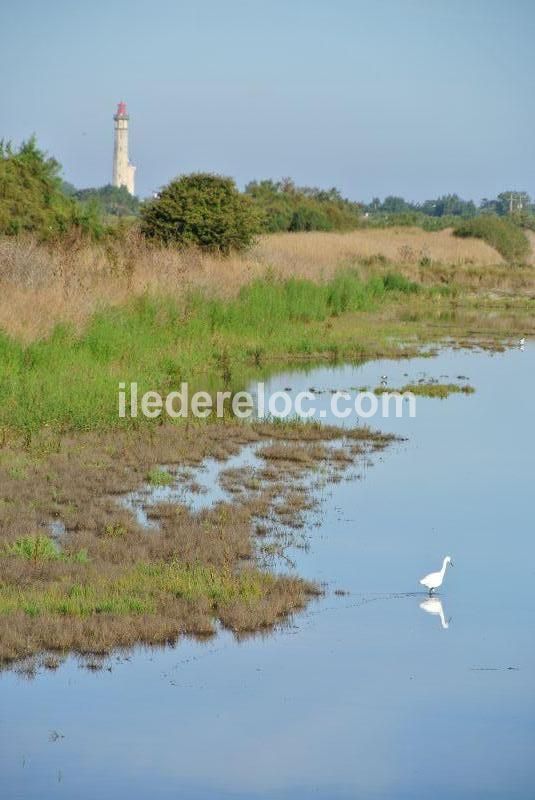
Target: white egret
column 434, row 579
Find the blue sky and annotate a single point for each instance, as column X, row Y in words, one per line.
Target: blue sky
column 414, row 97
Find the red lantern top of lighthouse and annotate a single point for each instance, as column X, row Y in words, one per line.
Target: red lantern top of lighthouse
column 121, row 110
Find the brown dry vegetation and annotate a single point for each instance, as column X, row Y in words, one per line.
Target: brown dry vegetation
column 147, row 585
column 531, row 239
column 41, row 286
column 315, row 253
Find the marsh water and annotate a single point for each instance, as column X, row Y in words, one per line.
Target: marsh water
column 364, row 695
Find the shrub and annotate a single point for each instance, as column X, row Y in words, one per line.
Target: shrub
column 506, row 237
column 394, row 282
column 201, row 209
column 308, row 218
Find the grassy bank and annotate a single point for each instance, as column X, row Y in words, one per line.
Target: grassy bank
column 70, row 381
column 43, row 285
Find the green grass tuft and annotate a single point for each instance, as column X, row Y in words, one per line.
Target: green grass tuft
column 42, row 548
column 159, row 477
column 34, row 548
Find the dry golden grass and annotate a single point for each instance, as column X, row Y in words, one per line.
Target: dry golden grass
column 41, row 287
column 531, row 239
column 318, row 254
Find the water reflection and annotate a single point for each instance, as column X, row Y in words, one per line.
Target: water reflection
column 433, row 605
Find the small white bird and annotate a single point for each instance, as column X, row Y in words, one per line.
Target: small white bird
column 522, row 341
column 434, row 579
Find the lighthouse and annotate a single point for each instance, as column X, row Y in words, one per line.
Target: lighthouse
column 123, row 170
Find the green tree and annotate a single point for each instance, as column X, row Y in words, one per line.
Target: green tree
column 202, row 209
column 511, row 202
column 395, row 205
column 31, row 195
column 287, row 207
column 449, row 205
column 114, row 200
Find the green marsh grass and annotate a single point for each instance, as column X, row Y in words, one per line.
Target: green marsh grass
column 70, row 382
column 142, row 590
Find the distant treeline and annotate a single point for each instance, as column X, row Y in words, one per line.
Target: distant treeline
column 516, row 204
column 287, row 207
column 33, row 198
column 450, row 205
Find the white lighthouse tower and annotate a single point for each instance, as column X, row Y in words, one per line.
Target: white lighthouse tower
column 123, row 170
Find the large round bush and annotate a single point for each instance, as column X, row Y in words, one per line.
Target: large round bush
column 201, row 209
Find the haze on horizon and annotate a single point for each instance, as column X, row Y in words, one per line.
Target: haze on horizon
column 408, row 98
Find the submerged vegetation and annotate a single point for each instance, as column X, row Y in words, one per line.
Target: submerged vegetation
column 107, row 581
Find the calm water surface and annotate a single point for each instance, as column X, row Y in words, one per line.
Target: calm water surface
column 365, row 695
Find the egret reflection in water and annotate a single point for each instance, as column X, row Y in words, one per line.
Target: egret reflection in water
column 433, row 605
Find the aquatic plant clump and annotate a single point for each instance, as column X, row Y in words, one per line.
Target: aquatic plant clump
column 429, row 389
